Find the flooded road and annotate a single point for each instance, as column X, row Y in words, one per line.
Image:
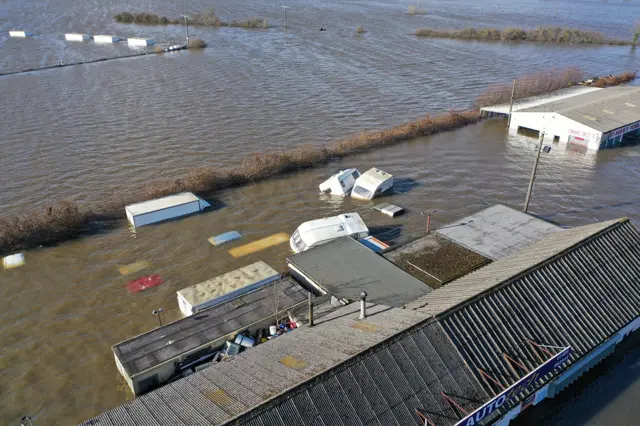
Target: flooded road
column 88, row 131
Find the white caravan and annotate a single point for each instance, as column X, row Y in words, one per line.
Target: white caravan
column 340, row 183
column 371, row 184
column 320, row 231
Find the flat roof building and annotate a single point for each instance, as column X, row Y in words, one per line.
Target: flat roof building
column 152, row 358
column 596, row 120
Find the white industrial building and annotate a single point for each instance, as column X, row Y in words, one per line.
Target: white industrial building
column 596, row 119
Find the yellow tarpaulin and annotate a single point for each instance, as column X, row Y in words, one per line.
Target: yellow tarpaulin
column 133, row 267
column 258, row 245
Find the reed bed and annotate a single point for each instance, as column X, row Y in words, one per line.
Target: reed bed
column 538, row 35
column 544, row 82
column 208, row 18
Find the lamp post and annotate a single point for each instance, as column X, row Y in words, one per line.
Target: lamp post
column 158, row 312
column 285, row 16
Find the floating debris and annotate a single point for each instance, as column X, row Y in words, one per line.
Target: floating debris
column 374, row 244
column 218, row 240
column 13, row 261
column 389, row 209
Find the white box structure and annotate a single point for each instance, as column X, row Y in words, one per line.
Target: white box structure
column 165, row 208
column 102, row 38
column 18, row 33
column 140, row 42
column 77, row 37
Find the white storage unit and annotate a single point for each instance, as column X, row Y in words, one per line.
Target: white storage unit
column 140, row 42
column 19, row 33
column 165, row 208
column 77, row 37
column 316, row 232
column 371, row 184
column 105, row 38
column 225, row 287
column 341, row 183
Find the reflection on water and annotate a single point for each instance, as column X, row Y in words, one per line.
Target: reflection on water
column 87, row 131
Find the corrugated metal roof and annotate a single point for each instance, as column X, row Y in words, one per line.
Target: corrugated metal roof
column 229, row 388
column 344, row 268
column 498, row 231
column 603, row 110
column 534, row 101
column 579, row 299
column 178, row 338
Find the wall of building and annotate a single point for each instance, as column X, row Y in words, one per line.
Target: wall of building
column 614, row 138
column 557, row 126
column 570, row 375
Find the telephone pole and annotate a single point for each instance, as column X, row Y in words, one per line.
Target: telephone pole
column 533, row 173
column 285, row 16
column 186, row 23
column 513, row 93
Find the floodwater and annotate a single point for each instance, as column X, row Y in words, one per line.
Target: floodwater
column 88, row 131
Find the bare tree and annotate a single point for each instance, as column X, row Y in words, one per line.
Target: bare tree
column 275, row 301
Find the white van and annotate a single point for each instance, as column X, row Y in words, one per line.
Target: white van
column 371, row 184
column 340, row 183
column 320, row 231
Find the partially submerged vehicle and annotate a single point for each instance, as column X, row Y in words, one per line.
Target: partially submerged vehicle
column 371, row 184
column 341, row 183
column 165, row 208
column 316, row 232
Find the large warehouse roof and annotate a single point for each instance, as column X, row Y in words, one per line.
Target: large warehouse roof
column 603, row 110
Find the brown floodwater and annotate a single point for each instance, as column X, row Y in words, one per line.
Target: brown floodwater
column 87, row 131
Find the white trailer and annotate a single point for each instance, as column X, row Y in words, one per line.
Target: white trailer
column 225, row 287
column 316, row 232
column 77, row 37
column 371, row 184
column 340, row 183
column 165, row 208
column 137, row 42
column 102, row 38
column 19, row 33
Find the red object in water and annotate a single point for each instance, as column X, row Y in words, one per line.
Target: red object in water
column 144, row 283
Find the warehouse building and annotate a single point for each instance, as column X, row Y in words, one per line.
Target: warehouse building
column 477, row 351
column 596, row 120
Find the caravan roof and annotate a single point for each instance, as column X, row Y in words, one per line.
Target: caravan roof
column 320, row 231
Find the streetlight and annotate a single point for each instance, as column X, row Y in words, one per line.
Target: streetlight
column 285, row 16
column 158, row 312
column 24, row 419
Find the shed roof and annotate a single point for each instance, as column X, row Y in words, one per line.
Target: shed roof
column 345, row 268
column 163, row 203
column 602, row 110
column 497, row 231
column 170, row 341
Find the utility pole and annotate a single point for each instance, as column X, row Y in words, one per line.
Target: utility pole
column 186, row 23
column 557, row 3
column 513, row 93
column 533, row 173
column 285, row 16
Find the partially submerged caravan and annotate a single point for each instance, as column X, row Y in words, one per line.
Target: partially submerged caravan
column 371, row 184
column 340, row 183
column 320, row 231
column 165, row 208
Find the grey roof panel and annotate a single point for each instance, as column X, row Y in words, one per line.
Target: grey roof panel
column 187, row 334
column 498, row 231
column 345, row 268
column 603, row 110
